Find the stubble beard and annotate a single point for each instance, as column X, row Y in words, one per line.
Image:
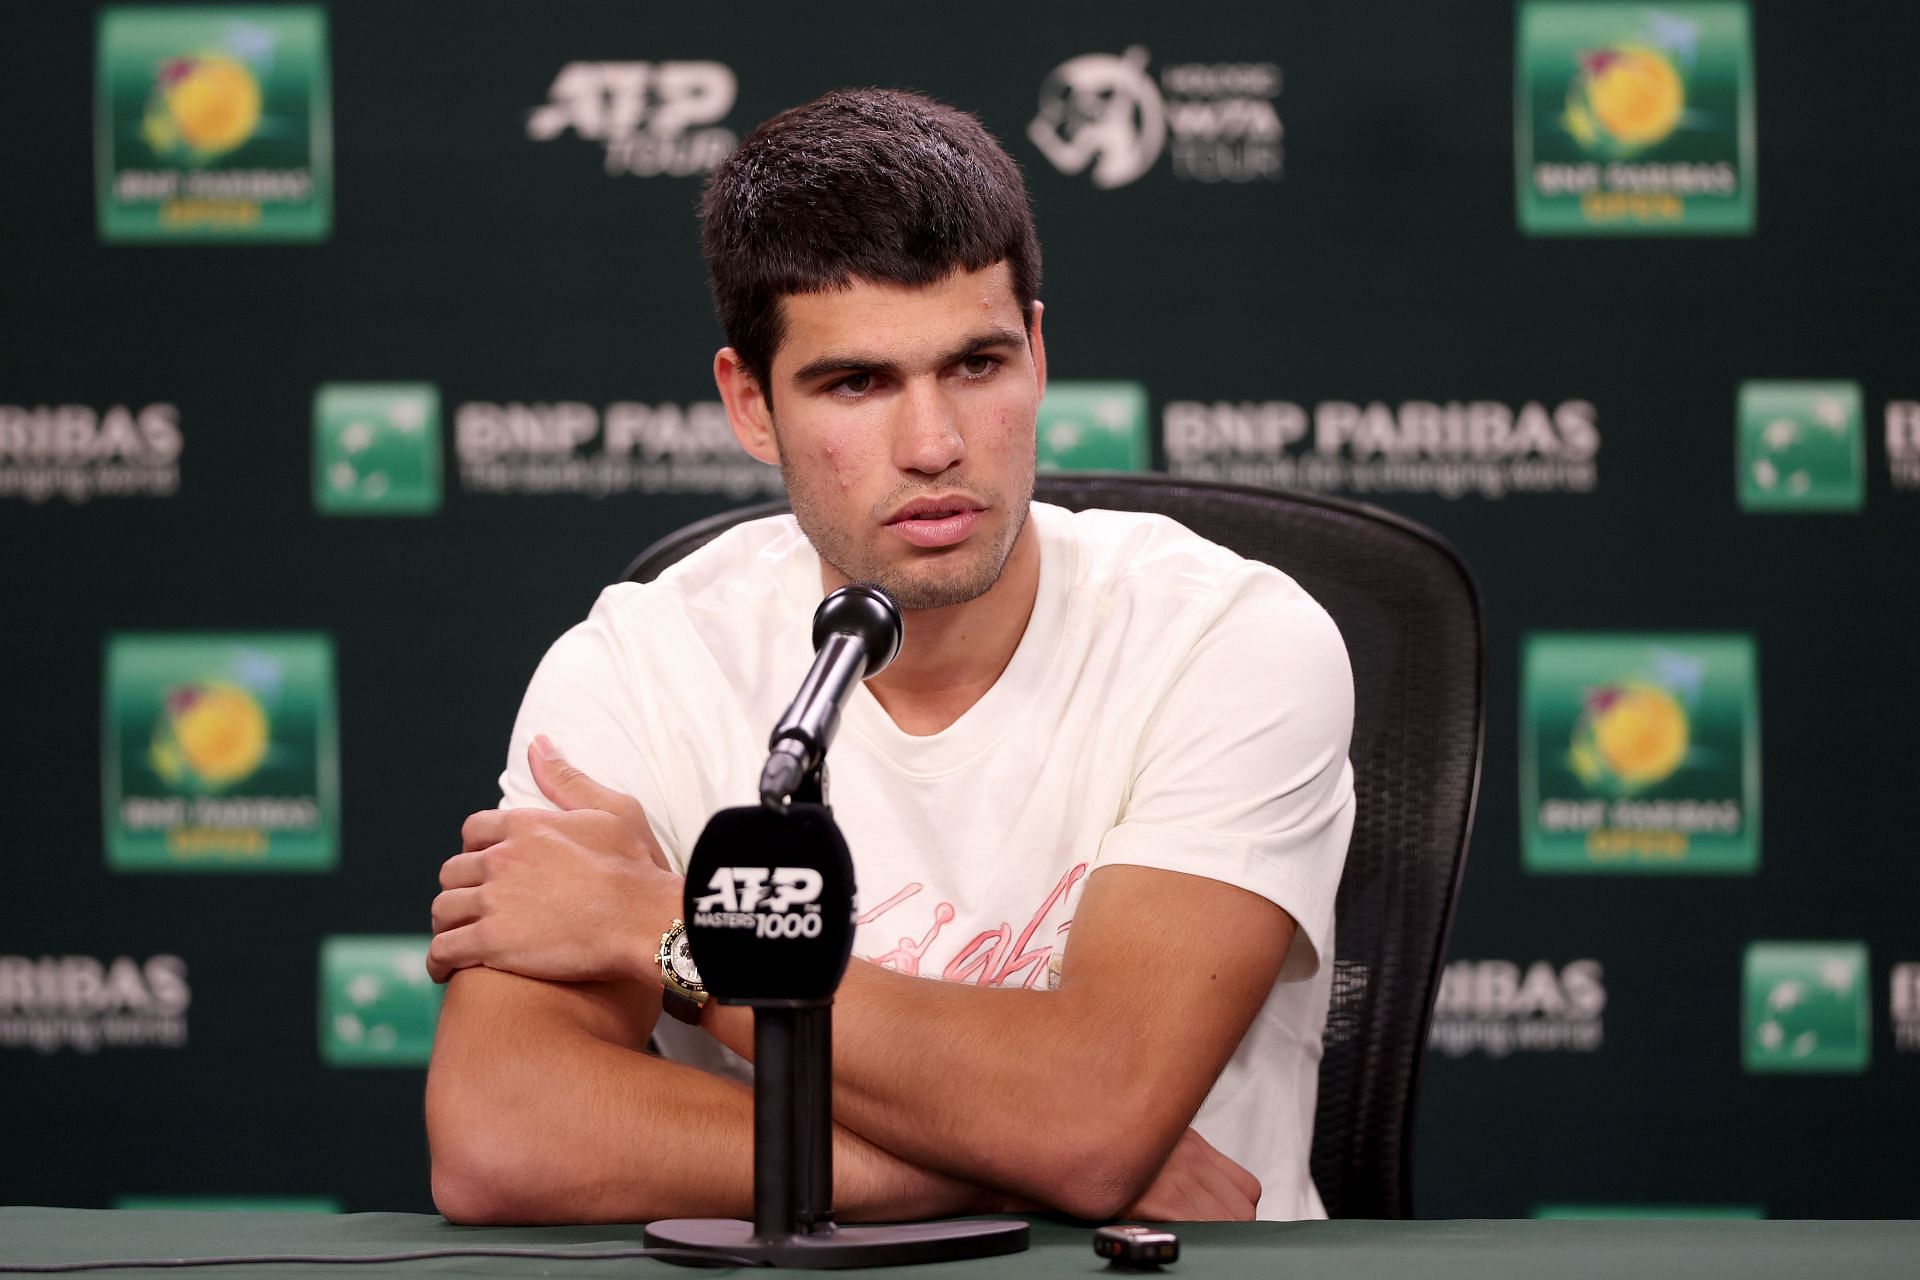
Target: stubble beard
column 965, row 573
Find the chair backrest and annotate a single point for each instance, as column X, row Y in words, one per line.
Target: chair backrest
column 1410, row 616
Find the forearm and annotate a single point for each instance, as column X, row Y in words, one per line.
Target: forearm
column 1013, row 1089
column 540, row 1108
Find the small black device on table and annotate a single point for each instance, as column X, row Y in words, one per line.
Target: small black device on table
column 1135, row 1248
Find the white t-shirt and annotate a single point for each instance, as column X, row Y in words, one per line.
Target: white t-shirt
column 1170, row 705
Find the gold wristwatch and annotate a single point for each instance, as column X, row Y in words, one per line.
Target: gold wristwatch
column 682, row 994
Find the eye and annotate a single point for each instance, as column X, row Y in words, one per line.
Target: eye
column 854, row 384
column 979, row 366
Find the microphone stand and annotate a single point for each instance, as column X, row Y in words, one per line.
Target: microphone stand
column 793, row 1222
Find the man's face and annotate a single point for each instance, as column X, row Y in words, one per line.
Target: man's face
column 904, row 420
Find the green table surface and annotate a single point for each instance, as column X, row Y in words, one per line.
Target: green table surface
column 1346, row 1250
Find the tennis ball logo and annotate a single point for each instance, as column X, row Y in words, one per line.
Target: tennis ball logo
column 1629, row 736
column 206, row 104
column 212, row 734
column 1625, row 98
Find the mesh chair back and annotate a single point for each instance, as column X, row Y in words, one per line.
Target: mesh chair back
column 1410, row 616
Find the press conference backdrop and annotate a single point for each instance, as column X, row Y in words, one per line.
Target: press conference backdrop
column 349, row 349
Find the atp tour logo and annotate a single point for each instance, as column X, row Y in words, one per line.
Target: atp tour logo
column 78, row 453
column 776, row 891
column 50, row 1003
column 1106, row 116
column 655, row 118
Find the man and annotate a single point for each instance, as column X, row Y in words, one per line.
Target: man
column 1103, row 791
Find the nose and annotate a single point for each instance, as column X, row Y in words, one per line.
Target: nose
column 926, row 435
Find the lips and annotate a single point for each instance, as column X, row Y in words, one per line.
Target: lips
column 936, row 521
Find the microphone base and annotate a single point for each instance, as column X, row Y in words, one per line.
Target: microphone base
column 836, row 1247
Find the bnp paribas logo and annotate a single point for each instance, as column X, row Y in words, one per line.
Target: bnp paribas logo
column 1634, row 119
column 376, row 448
column 1640, row 753
column 1094, row 426
column 1801, row 447
column 219, row 753
column 213, row 123
column 1806, row 1007
column 378, row 1007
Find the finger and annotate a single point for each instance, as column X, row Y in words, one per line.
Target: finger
column 1244, row 1182
column 455, row 949
column 487, row 827
column 566, row 786
column 454, row 908
column 464, row 870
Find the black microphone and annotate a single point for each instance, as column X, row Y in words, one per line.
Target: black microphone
column 856, row 632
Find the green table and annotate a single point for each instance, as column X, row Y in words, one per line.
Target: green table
column 1519, row 1250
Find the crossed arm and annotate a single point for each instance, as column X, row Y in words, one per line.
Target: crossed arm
column 541, row 1105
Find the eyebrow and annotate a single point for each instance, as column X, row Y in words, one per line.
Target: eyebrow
column 851, row 364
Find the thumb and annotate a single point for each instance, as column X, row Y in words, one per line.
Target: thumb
column 565, row 785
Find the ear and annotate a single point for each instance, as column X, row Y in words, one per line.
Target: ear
column 1039, row 348
column 749, row 411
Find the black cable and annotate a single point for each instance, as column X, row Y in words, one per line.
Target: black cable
column 695, row 1256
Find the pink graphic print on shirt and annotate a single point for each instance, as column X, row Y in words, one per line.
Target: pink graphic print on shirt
column 992, row 957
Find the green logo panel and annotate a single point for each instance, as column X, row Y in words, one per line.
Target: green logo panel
column 378, row 1007
column 220, row 753
column 1629, row 1212
column 1094, row 426
column 376, row 448
column 1634, row 119
column 213, row 124
column 230, row 1204
column 1806, row 1007
column 1801, row 447
column 1639, row 753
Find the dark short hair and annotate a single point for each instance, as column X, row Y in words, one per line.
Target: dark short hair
column 859, row 184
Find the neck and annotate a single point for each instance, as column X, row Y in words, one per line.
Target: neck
column 954, row 655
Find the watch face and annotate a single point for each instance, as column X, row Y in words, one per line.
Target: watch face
column 680, row 960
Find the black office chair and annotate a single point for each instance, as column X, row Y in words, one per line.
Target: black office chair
column 1410, row 616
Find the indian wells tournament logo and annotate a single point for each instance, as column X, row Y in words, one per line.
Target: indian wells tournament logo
column 1107, row 116
column 654, row 118
column 1094, row 426
column 1806, row 1007
column 376, row 448
column 378, row 1007
column 230, row 1204
column 1670, row 1212
column 1801, row 447
column 213, row 123
column 1634, row 119
column 220, row 753
column 1640, row 753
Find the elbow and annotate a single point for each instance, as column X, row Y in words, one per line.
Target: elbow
column 1105, row 1170
column 477, row 1177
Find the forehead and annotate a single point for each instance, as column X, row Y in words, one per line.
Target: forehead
column 883, row 320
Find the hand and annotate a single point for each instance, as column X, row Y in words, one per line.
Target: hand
column 569, row 896
column 1197, row 1184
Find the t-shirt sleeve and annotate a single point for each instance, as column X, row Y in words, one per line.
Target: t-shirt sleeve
column 584, row 698
column 1242, row 773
